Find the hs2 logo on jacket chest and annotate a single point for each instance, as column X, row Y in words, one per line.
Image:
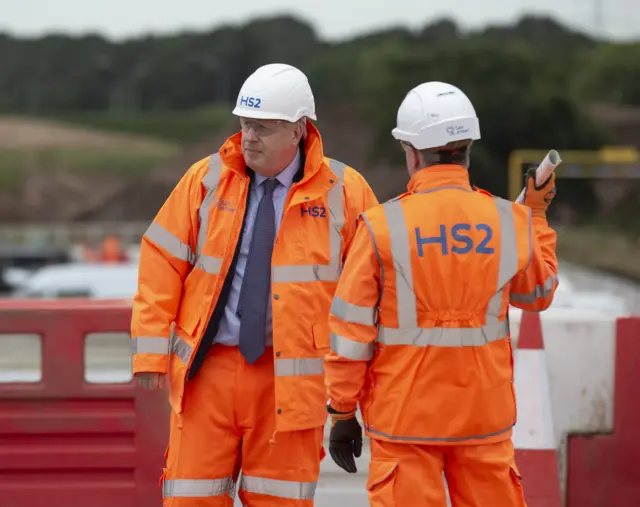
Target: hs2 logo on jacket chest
column 313, row 211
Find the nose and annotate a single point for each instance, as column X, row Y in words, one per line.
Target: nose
column 250, row 135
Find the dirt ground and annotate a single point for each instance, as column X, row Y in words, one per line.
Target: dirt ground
column 26, row 133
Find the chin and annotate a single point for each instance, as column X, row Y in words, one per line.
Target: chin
column 252, row 156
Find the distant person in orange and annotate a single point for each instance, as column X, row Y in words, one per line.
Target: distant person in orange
column 237, row 275
column 112, row 250
column 420, row 336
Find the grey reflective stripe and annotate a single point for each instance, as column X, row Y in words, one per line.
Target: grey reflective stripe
column 210, row 182
column 401, row 249
column 281, row 489
column 403, row 438
column 207, row 263
column 508, row 242
column 350, row 349
column 408, row 332
column 198, row 488
column 302, row 273
column 169, row 242
column 444, row 336
column 322, row 272
column 508, row 266
column 349, row 312
column 181, row 348
column 300, row 366
column 540, row 291
column 150, row 345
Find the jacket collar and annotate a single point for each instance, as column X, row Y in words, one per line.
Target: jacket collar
column 439, row 176
column 311, row 161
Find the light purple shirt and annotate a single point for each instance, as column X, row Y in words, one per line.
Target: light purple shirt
column 229, row 329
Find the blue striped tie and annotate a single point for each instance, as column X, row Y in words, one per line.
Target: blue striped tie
column 256, row 284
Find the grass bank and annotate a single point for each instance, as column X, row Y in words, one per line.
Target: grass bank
column 174, row 126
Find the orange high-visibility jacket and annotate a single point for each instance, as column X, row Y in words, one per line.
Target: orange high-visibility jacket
column 419, row 325
column 187, row 251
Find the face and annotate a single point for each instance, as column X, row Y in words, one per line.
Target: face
column 269, row 146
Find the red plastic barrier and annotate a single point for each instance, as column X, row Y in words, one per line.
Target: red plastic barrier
column 68, row 443
column 603, row 470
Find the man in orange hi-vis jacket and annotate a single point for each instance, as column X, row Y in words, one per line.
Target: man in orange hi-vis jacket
column 237, row 275
column 420, row 335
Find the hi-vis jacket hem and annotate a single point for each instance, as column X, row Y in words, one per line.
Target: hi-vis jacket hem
column 186, row 255
column 419, row 329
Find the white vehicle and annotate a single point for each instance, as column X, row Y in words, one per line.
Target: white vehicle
column 81, row 280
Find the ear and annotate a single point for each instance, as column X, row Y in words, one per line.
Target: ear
column 296, row 135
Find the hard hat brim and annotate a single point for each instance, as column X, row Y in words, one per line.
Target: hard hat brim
column 246, row 112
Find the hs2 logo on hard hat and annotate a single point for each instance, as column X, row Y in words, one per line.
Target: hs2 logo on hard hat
column 313, row 211
column 455, row 131
column 250, row 101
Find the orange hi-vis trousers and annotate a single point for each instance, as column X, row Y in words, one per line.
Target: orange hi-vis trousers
column 228, row 420
column 476, row 475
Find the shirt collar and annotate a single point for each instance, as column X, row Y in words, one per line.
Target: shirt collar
column 285, row 178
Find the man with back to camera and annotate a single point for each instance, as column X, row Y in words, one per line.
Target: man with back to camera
column 420, row 336
column 237, row 274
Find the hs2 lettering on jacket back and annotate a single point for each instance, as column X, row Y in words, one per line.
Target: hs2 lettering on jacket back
column 457, row 235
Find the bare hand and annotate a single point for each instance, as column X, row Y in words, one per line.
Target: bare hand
column 151, row 380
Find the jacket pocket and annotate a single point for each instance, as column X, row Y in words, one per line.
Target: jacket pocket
column 381, row 482
column 321, row 336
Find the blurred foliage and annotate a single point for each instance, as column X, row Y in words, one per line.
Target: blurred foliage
column 179, row 126
column 531, row 82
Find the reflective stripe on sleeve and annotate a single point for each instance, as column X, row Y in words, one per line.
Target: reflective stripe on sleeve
column 169, row 242
column 299, row 367
column 349, row 312
column 282, row 489
column 350, row 349
column 150, row 345
column 540, row 291
column 198, row 488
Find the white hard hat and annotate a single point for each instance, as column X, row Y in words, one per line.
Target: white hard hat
column 276, row 92
column 434, row 114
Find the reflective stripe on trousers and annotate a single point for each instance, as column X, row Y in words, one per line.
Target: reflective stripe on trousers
column 281, row 489
column 408, row 332
column 198, row 488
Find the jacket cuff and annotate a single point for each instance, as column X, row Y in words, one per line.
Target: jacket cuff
column 150, row 363
column 341, row 407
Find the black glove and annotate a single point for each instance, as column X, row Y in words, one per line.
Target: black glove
column 345, row 442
